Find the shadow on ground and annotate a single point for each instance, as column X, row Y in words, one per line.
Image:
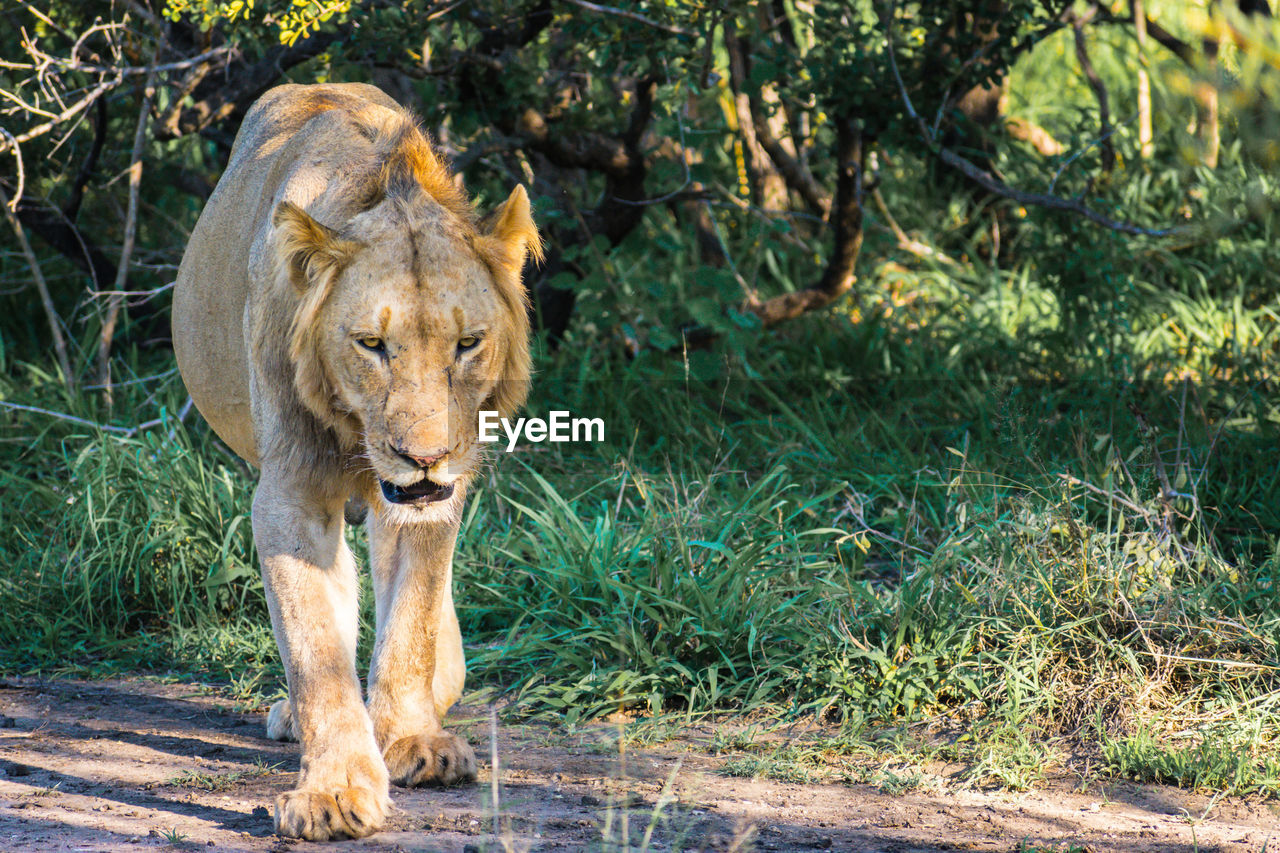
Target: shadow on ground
column 131, row 764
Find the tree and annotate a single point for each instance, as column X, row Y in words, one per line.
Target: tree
column 615, row 113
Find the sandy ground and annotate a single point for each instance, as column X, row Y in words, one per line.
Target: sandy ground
column 134, row 765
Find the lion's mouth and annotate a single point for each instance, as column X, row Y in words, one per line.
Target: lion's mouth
column 422, row 492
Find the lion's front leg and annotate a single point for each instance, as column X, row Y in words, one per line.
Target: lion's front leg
column 310, row 581
column 418, row 669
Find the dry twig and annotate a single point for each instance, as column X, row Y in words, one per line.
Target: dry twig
column 112, row 313
column 905, row 241
column 631, row 16
column 42, row 287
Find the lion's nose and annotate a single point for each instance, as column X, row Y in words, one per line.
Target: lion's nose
column 423, row 462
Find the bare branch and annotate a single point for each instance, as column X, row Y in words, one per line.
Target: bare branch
column 42, row 287
column 126, row 432
column 112, row 313
column 69, row 113
column 224, row 52
column 631, row 16
column 146, row 295
column 12, row 204
column 998, row 187
column 62, row 416
column 905, row 241
column 138, row 380
column 994, row 185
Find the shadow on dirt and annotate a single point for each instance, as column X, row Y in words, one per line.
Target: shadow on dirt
column 108, row 766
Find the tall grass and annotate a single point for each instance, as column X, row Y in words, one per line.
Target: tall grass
column 131, row 535
column 687, row 599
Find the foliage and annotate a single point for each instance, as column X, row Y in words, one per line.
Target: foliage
column 629, row 107
column 292, row 20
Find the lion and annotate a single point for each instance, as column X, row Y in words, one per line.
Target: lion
column 340, row 318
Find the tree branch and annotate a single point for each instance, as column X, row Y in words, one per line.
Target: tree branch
column 1146, row 138
column 42, row 287
column 618, row 158
column 1099, row 92
column 846, row 219
column 1172, row 43
column 127, row 432
column 994, row 185
column 766, row 187
column 795, row 173
column 69, row 113
column 215, row 99
column 116, row 300
column 632, row 16
column 598, row 152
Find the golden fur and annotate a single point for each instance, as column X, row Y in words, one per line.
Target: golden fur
column 340, row 318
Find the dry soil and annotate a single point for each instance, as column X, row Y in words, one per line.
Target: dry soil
column 128, row 765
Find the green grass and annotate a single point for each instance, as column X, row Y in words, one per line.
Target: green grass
column 1025, row 847
column 173, row 836
column 1221, row 759
column 217, row 782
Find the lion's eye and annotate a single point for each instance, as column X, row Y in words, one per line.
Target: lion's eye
column 469, row 342
column 372, row 344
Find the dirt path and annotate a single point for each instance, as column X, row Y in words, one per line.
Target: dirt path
column 133, row 765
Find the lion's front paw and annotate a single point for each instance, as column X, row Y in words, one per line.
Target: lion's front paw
column 442, row 759
column 280, row 722
column 318, row 816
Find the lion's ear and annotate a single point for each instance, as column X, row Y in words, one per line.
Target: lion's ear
column 510, row 232
column 310, row 250
column 507, row 237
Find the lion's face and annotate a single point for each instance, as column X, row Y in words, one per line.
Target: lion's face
column 415, row 339
column 420, row 324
